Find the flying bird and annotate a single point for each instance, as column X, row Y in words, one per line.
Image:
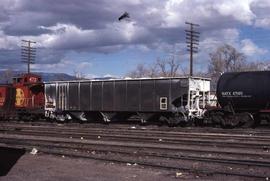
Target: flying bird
column 124, row 16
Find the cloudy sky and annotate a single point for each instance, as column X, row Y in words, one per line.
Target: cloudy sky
column 85, row 35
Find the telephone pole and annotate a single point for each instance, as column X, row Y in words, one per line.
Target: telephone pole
column 28, row 53
column 192, row 40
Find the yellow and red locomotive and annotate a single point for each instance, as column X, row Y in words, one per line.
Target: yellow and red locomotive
column 23, row 99
column 7, row 101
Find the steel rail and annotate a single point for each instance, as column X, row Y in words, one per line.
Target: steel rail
column 68, row 153
column 153, row 139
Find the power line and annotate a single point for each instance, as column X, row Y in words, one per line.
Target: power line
column 28, row 53
column 192, row 40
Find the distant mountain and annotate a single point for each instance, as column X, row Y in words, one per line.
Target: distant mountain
column 55, row 76
column 103, row 78
column 6, row 76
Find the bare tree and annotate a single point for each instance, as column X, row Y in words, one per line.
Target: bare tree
column 78, row 74
column 140, row 71
column 161, row 63
column 153, row 71
column 226, row 59
column 173, row 66
column 257, row 66
column 168, row 67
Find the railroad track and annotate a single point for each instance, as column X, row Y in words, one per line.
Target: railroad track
column 182, row 149
column 262, row 131
column 86, row 146
column 248, row 131
column 85, row 149
column 202, row 139
column 136, row 128
column 211, row 153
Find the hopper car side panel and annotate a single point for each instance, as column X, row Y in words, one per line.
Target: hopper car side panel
column 121, row 94
column 132, row 95
column 116, row 96
column 85, row 96
column 96, row 96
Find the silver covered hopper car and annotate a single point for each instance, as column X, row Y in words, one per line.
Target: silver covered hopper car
column 174, row 100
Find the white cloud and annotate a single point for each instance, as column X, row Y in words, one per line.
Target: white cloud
column 8, row 42
column 260, row 3
column 239, row 10
column 70, row 36
column 216, row 38
column 177, row 12
column 263, row 23
column 91, row 76
column 84, row 65
column 261, row 9
column 92, row 26
column 249, row 48
column 65, row 66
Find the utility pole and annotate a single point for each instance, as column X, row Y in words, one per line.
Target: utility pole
column 192, row 40
column 28, row 53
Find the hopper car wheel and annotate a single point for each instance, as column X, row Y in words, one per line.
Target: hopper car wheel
column 230, row 121
column 249, row 121
column 224, row 119
column 217, row 119
column 177, row 119
column 60, row 118
column 47, row 119
column 198, row 122
column 172, row 122
column 238, row 120
column 268, row 121
column 214, row 117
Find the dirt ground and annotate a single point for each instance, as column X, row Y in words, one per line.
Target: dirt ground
column 43, row 167
column 20, row 165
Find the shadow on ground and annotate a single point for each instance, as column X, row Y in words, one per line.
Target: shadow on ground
column 8, row 158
